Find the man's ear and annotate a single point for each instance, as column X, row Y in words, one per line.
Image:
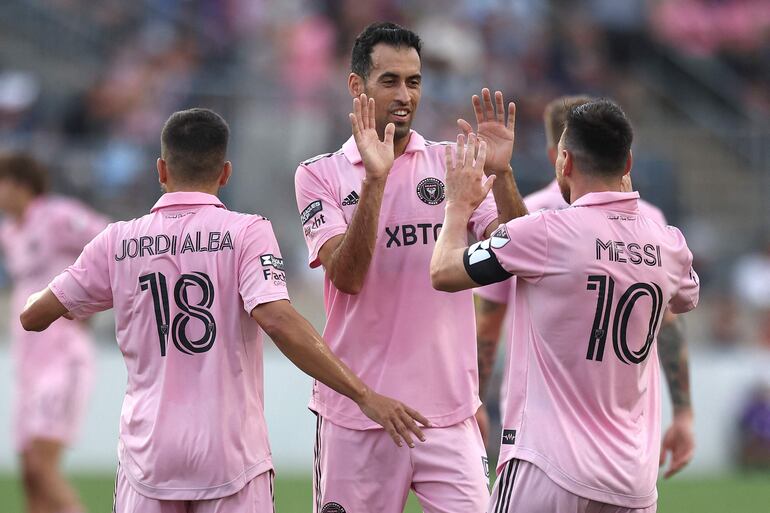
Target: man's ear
column 569, row 163
column 162, row 171
column 227, row 172
column 356, row 85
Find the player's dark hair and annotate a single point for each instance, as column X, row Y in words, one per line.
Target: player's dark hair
column 381, row 32
column 555, row 115
column 599, row 135
column 25, row 170
column 194, row 145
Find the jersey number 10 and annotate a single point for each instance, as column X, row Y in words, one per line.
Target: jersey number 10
column 156, row 282
column 619, row 328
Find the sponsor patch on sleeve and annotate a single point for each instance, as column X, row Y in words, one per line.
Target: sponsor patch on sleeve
column 310, row 211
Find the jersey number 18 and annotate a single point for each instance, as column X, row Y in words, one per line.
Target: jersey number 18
column 156, row 282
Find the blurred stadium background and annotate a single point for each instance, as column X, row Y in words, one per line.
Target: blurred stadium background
column 87, row 84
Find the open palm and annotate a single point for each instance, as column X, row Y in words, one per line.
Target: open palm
column 377, row 155
column 493, row 128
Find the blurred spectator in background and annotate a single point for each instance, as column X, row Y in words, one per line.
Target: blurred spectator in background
column 752, row 287
column 754, row 430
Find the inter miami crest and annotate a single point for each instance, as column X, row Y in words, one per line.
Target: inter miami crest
column 332, row 507
column 431, row 191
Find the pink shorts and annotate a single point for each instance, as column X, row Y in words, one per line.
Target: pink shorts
column 255, row 497
column 358, row 471
column 50, row 404
column 523, row 488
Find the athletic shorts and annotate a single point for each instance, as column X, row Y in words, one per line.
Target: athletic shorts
column 363, row 470
column 50, row 404
column 255, row 497
column 523, row 488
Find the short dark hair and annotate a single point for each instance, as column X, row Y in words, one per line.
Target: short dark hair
column 194, row 145
column 25, row 170
column 555, row 115
column 381, row 32
column 599, row 135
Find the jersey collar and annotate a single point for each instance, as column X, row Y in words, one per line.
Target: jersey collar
column 624, row 201
column 416, row 143
column 175, row 199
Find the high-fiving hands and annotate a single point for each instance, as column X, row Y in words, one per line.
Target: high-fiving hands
column 377, row 155
column 466, row 187
column 494, row 129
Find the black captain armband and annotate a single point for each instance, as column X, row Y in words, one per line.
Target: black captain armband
column 482, row 265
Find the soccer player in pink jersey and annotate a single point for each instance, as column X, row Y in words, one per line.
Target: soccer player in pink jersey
column 40, row 235
column 371, row 213
column 492, row 301
column 582, row 418
column 187, row 282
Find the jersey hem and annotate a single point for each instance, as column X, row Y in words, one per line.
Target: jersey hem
column 572, row 485
column 362, row 423
column 195, row 493
column 251, row 304
column 314, row 261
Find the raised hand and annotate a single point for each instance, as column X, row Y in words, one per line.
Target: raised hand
column 377, row 155
column 397, row 418
column 492, row 127
column 465, row 185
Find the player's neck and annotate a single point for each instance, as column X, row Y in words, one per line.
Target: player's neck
column 578, row 189
column 19, row 210
column 399, row 145
column 212, row 189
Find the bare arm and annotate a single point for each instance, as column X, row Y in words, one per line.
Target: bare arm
column 346, row 258
column 301, row 343
column 679, row 438
column 42, row 309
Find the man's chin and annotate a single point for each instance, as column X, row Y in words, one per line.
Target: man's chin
column 402, row 130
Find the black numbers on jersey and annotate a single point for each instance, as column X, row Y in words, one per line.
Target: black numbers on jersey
column 156, row 283
column 605, row 323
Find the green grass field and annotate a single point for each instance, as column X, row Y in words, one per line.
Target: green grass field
column 734, row 494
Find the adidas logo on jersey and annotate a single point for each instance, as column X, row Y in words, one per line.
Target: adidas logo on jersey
column 351, row 199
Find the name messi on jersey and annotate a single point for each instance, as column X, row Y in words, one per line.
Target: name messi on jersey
column 138, row 247
column 632, row 253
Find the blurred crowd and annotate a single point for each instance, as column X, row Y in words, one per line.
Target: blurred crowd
column 277, row 71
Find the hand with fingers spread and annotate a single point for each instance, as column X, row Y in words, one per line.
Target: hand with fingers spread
column 377, row 155
column 465, row 184
column 678, row 440
column 494, row 129
column 397, row 418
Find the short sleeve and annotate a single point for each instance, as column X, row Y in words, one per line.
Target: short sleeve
column 518, row 248
column 320, row 212
column 261, row 273
column 483, row 216
column 85, row 288
column 686, row 297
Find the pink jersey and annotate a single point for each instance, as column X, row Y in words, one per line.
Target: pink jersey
column 593, row 282
column 403, row 338
column 550, row 198
column 183, row 281
column 48, row 238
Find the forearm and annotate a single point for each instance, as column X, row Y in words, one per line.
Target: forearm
column 446, row 268
column 489, row 320
column 301, row 343
column 350, row 260
column 42, row 309
column 510, row 204
column 673, row 355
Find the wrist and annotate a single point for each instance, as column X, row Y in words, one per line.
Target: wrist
column 361, row 394
column 683, row 412
column 459, row 210
column 377, row 182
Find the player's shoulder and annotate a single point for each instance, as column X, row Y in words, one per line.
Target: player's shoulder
column 650, row 211
column 322, row 161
